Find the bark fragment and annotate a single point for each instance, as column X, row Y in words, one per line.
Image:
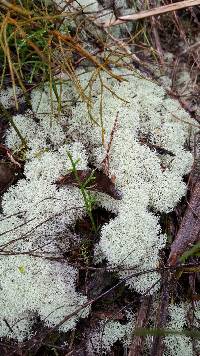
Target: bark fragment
column 136, row 348
column 189, row 231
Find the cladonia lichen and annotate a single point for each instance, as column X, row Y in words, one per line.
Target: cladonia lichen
column 132, row 131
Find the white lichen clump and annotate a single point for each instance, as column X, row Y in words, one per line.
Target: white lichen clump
column 108, row 332
column 137, row 119
column 30, row 285
column 143, row 120
column 179, row 344
column 9, row 97
column 176, row 342
column 34, row 223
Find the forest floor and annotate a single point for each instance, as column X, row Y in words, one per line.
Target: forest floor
column 162, row 46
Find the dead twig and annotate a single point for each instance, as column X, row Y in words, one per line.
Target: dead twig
column 153, row 12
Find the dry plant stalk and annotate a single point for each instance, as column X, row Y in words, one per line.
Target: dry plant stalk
column 153, row 12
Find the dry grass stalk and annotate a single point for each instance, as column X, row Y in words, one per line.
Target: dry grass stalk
column 18, row 9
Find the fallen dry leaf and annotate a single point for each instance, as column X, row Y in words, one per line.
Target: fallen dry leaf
column 7, row 175
column 100, row 182
column 7, row 153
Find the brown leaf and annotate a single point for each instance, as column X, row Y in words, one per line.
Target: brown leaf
column 100, row 182
column 7, row 153
column 7, row 175
column 190, row 228
column 196, row 297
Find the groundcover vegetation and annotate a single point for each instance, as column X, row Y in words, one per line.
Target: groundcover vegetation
column 99, row 178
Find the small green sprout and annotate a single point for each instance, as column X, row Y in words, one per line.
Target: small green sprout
column 88, row 198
